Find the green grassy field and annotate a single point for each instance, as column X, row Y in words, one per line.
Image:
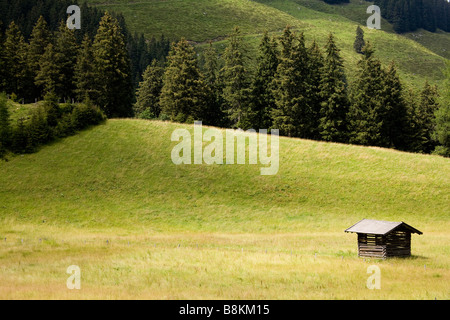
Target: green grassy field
column 111, row 201
column 419, row 55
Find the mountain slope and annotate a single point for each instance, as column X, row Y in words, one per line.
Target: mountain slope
column 419, row 55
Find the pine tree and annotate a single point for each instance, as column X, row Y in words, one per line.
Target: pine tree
column 15, row 60
column 394, row 118
column 425, row 118
column 183, row 95
column 236, row 82
column 50, row 75
column 366, row 109
column 149, row 91
column 39, row 41
column 292, row 115
column 314, row 79
column 67, row 48
column 359, row 43
column 333, row 91
column 213, row 114
column 85, row 72
column 284, row 88
column 112, row 68
column 262, row 99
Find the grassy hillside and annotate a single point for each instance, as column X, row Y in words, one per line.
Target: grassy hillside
column 419, row 55
column 124, row 169
column 111, row 201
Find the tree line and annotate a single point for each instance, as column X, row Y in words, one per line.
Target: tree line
column 301, row 90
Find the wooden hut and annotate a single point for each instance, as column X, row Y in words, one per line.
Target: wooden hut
column 383, row 239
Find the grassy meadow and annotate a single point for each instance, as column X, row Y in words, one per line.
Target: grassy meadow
column 111, row 201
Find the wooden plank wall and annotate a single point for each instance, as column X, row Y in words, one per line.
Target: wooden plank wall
column 394, row 244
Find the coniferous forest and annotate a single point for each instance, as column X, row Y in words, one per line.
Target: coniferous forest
column 299, row 88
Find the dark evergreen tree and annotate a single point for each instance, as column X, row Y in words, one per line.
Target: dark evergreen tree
column 183, row 95
column 67, row 49
column 40, row 39
column 425, row 119
column 15, row 62
column 262, row 99
column 293, row 114
column 366, row 109
column 236, row 82
column 333, row 90
column 394, row 117
column 314, row 79
column 112, row 68
column 213, row 115
column 50, row 75
column 359, row 43
column 148, row 92
column 85, row 72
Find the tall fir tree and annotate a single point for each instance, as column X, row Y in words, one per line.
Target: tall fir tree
column 67, row 47
column 366, row 109
column 262, row 99
column 235, row 81
column 85, row 72
column 15, row 62
column 112, row 68
column 149, row 91
column 314, row 79
column 40, row 38
column 214, row 115
column 183, row 95
column 292, row 115
column 394, row 118
column 50, row 75
column 359, row 43
column 333, row 90
column 425, row 119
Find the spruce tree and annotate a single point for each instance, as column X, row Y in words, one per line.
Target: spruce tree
column 314, row 79
column 50, row 75
column 333, row 91
column 183, row 95
column 262, row 99
column 85, row 72
column 39, row 40
column 366, row 109
column 359, row 43
column 236, row 82
column 67, row 48
column 292, row 115
column 112, row 68
column 149, row 91
column 394, row 118
column 15, row 60
column 213, row 115
column 425, row 118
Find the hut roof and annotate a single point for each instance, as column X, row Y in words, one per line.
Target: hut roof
column 380, row 227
